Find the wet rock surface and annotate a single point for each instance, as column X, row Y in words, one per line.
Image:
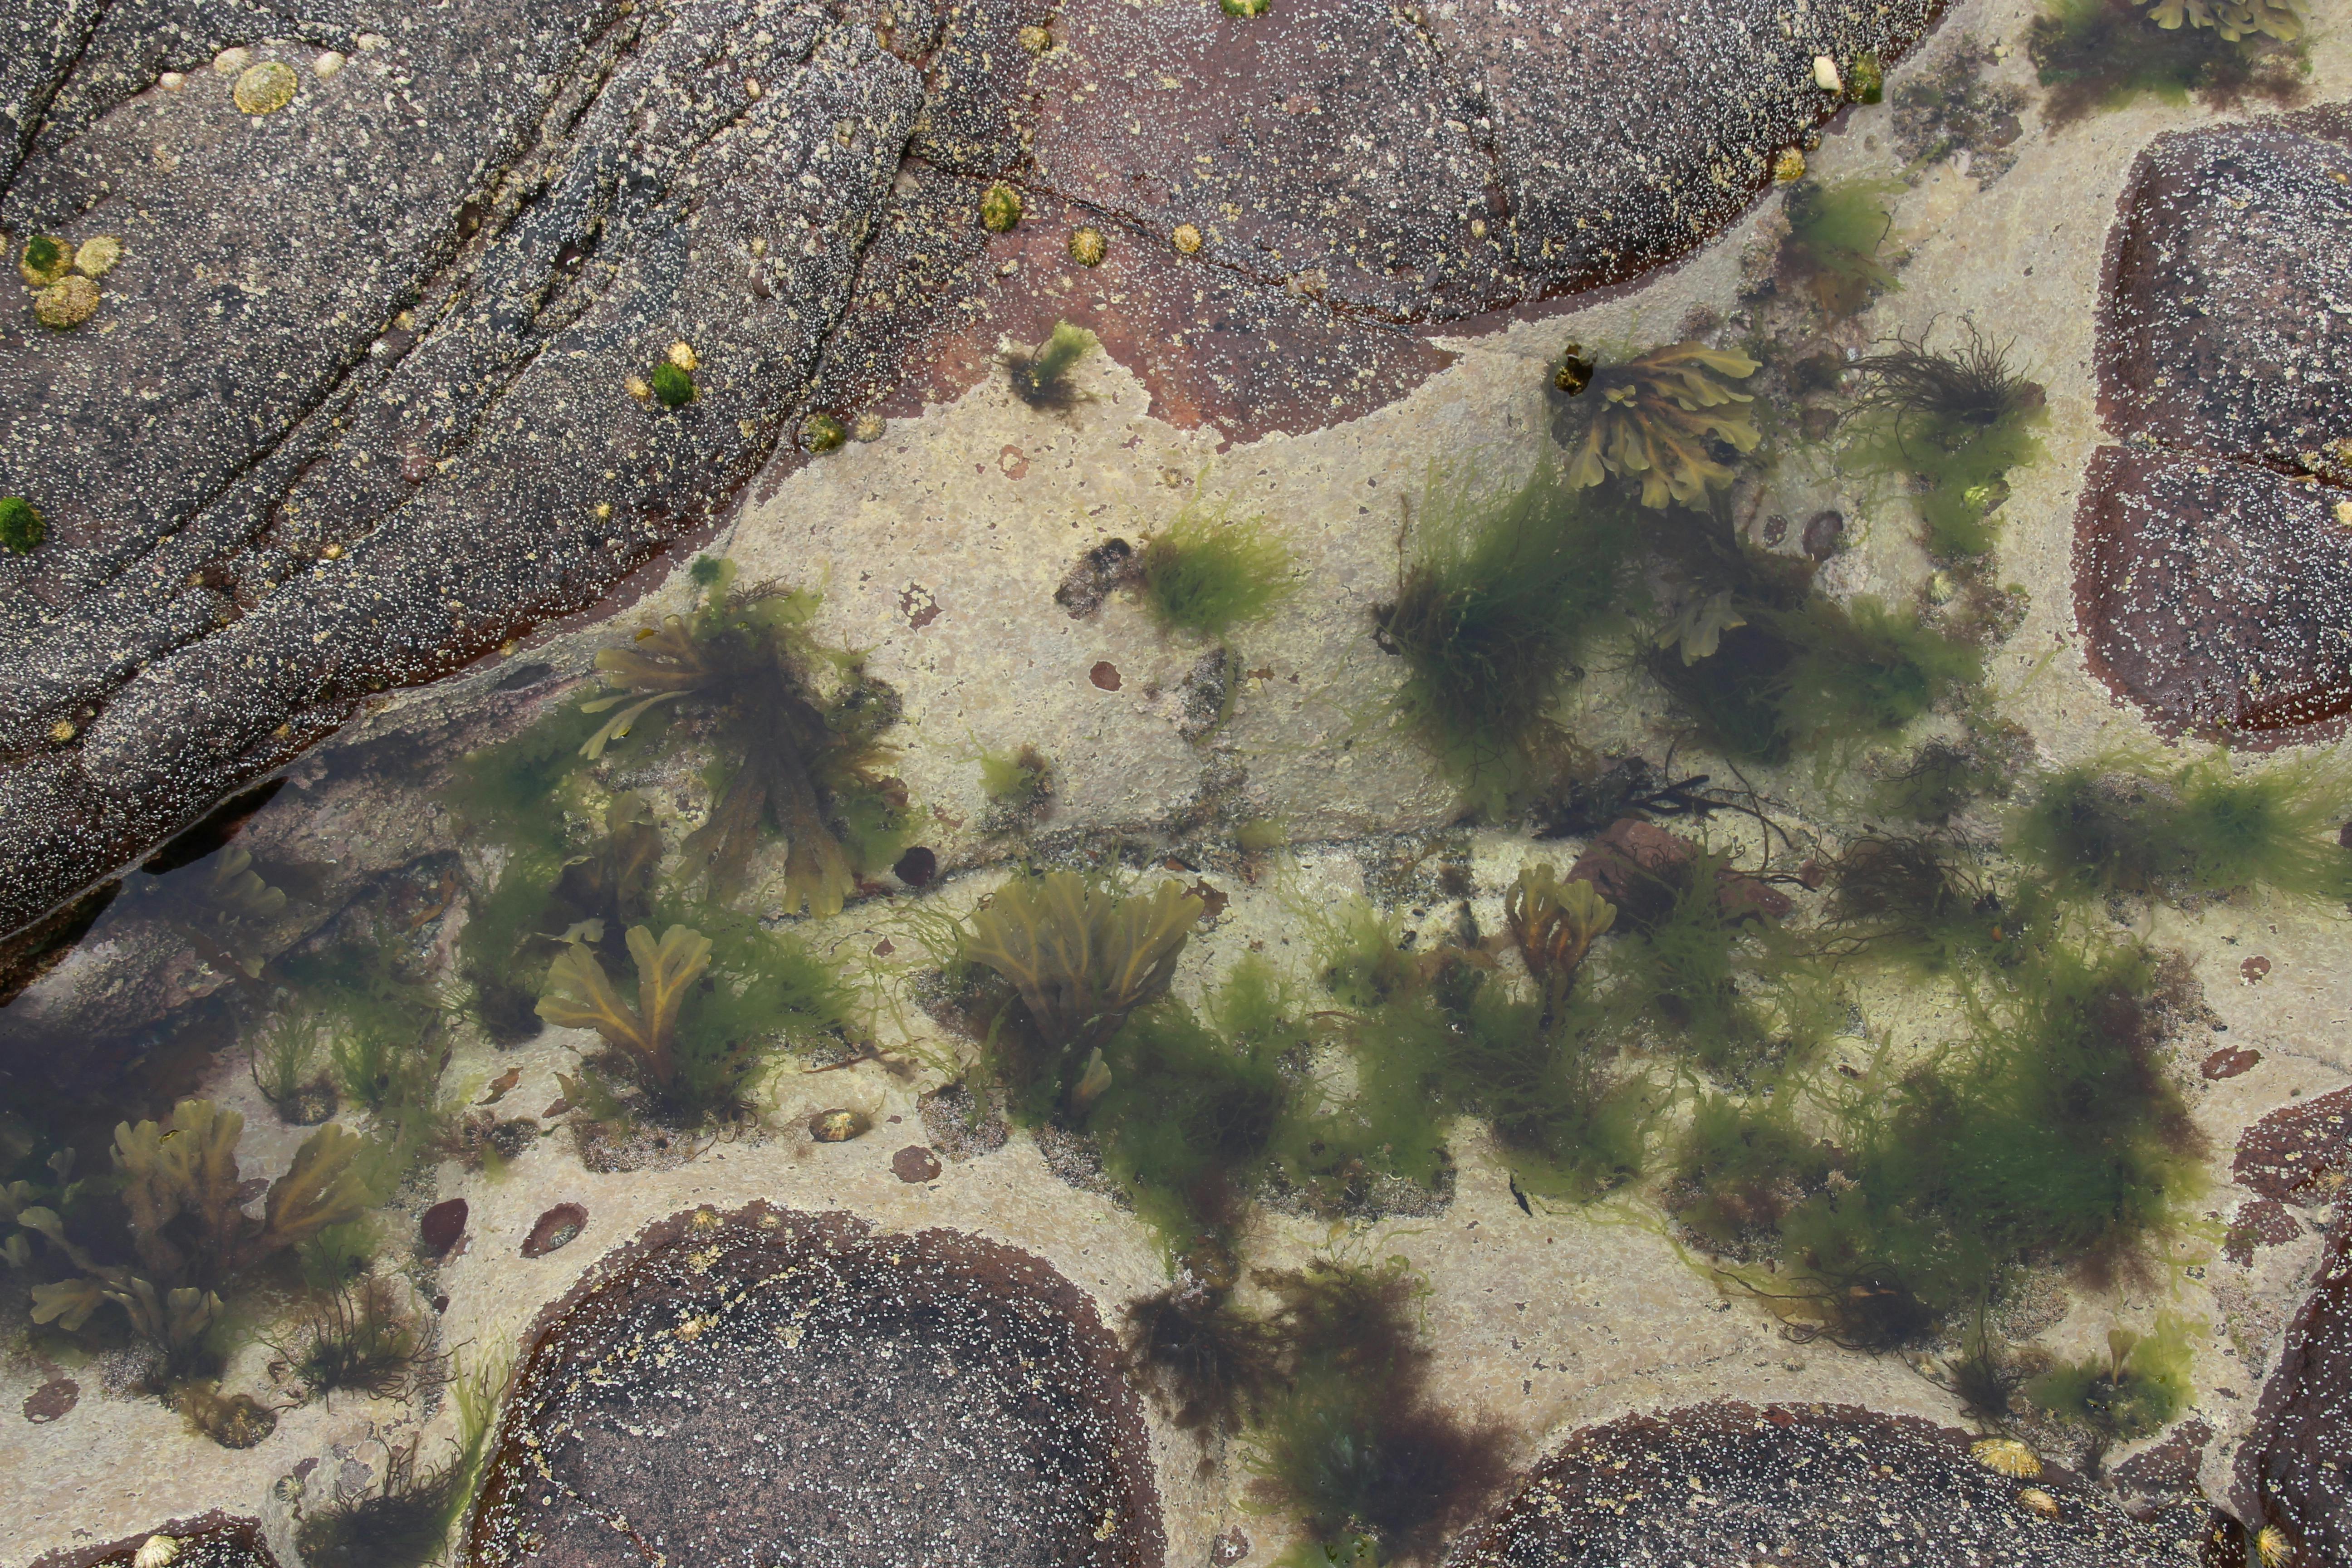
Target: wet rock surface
column 2212, row 549
column 795, row 1388
column 216, row 1541
column 2290, row 1472
column 1731, row 1483
column 355, row 407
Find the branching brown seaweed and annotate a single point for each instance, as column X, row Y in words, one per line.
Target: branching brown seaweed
column 1081, row 957
column 188, row 1228
column 1655, row 419
column 808, row 767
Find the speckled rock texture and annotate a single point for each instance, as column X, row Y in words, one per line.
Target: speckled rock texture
column 787, row 1388
column 1728, row 1483
column 356, row 409
column 216, row 1541
column 2212, row 550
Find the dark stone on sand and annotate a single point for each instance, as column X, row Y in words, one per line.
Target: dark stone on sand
column 440, row 1227
column 557, row 1228
column 52, row 1401
column 2212, row 568
column 2229, row 1062
column 1730, row 1483
column 819, row 1393
column 915, row 1164
column 917, row 867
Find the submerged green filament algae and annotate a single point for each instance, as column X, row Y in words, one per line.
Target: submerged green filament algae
column 1204, row 575
column 1499, row 596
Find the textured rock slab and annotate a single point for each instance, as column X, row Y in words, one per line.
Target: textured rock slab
column 2298, row 1153
column 1730, row 1483
column 216, row 1541
column 793, row 1389
column 2212, row 551
column 2291, row 1472
column 2227, row 317
column 2217, row 595
column 462, row 470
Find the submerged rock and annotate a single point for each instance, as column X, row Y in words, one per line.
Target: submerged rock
column 2212, row 556
column 1726, row 1482
column 819, row 1393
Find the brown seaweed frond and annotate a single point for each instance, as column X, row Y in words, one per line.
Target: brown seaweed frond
column 1082, row 956
column 1655, row 420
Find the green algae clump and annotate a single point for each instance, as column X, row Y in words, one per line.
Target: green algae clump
column 22, row 527
column 1206, row 576
column 1040, row 377
column 1957, row 423
column 672, row 384
column 1500, row 595
column 2137, row 1389
column 2202, row 830
column 1836, row 231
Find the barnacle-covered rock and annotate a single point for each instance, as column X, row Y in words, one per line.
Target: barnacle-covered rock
column 2210, row 580
column 1822, row 1482
column 447, row 309
column 930, row 1398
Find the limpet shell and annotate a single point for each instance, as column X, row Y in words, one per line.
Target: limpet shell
column 839, row 1125
column 266, row 89
column 2036, row 1501
column 2008, row 1455
column 2274, row 1546
column 96, row 256
column 67, row 302
column 155, row 1551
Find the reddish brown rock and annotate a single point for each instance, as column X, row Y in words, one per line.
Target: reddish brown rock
column 2290, row 1471
column 932, row 1398
column 558, row 1227
column 915, row 1164
column 439, row 1227
column 2299, row 1152
column 2211, row 569
column 52, row 1401
column 2260, row 1221
column 2169, row 1469
column 2229, row 1062
column 2220, row 331
column 2215, row 595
